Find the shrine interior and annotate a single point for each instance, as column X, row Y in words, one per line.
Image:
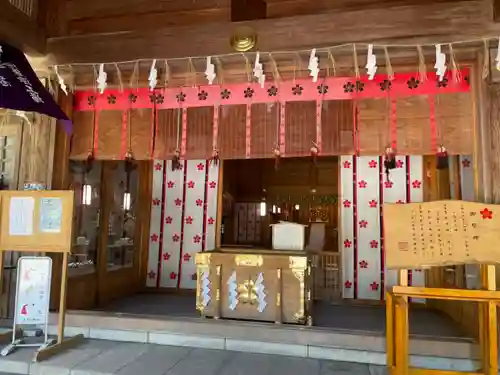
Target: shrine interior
column 262, row 192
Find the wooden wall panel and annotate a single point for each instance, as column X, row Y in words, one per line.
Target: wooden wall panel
column 82, row 136
column 199, row 132
column 455, row 123
column 373, row 126
column 167, row 129
column 140, row 134
column 94, row 16
column 413, row 126
column 264, row 133
column 231, row 140
column 337, row 127
column 109, row 136
column 300, row 128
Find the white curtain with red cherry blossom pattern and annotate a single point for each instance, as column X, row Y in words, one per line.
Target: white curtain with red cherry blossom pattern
column 183, row 215
column 365, row 187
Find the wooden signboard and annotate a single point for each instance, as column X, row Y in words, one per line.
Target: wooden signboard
column 39, row 221
column 421, row 235
column 36, row 221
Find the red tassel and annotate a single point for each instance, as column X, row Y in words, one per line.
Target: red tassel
column 277, row 157
column 215, row 157
column 442, row 158
column 314, row 152
column 176, row 161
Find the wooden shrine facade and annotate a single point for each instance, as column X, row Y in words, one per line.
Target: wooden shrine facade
column 340, row 115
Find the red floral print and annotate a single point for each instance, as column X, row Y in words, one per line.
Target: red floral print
column 348, row 284
column 373, row 244
column 200, row 167
column 189, row 220
column 170, row 184
column 363, row 264
column 178, row 202
column 399, row 164
column 197, row 239
column 466, row 163
column 363, row 223
column 400, row 202
column 156, row 202
column 175, row 237
column 166, row 256
column 486, row 214
column 210, row 221
column 168, row 220
column 374, row 286
column 154, row 237
column 199, row 202
column 152, row 274
column 372, row 203
column 347, row 164
column 173, row 275
column 416, row 184
column 372, row 164
column 212, row 184
column 388, row 184
column 347, row 203
column 347, row 244
column 190, row 184
column 186, row 257
column 158, row 166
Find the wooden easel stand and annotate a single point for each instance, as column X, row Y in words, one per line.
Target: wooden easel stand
column 398, row 325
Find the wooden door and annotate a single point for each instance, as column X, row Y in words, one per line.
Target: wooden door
column 119, row 270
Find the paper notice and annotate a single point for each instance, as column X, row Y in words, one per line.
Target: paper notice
column 50, row 215
column 21, row 216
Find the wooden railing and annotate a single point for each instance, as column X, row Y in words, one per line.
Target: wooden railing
column 28, row 7
column 327, row 276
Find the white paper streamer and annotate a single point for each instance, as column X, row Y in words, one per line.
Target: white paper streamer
column 371, row 63
column 153, row 76
column 210, row 71
column 313, row 65
column 102, row 79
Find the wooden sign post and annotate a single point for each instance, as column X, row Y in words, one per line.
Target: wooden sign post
column 424, row 235
column 34, row 222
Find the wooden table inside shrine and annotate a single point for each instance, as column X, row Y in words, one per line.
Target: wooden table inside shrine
column 254, row 284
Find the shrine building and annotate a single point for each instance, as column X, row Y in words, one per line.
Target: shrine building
column 232, row 160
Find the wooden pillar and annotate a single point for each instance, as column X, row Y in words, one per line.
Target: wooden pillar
column 60, row 181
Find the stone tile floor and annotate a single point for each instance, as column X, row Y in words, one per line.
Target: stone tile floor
column 97, row 357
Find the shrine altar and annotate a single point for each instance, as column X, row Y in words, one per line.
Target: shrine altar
column 254, row 284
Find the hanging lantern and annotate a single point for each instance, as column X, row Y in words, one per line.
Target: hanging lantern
column 314, row 152
column 176, row 161
column 277, row 157
column 215, row 157
column 442, row 158
column 389, row 161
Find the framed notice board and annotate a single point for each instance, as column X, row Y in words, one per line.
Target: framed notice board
column 440, row 233
column 38, row 221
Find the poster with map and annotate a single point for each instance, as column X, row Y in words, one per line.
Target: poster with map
column 421, row 235
column 33, row 290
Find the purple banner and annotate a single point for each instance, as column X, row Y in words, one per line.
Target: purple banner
column 20, row 88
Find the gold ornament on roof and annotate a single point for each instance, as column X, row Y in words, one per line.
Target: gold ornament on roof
column 244, row 39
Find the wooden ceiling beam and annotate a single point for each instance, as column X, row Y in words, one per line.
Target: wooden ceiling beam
column 19, row 30
column 417, row 23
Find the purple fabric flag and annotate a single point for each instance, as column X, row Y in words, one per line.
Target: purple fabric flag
column 20, row 88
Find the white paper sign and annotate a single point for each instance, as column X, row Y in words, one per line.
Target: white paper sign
column 50, row 215
column 33, row 290
column 21, row 216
